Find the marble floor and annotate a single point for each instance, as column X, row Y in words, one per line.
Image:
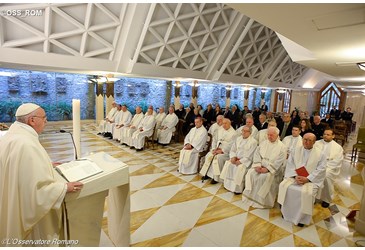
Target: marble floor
column 170, row 209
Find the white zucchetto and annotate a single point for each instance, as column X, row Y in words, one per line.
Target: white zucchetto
column 26, row 108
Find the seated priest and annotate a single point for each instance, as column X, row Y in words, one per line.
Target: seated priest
column 221, row 145
column 145, row 129
column 304, row 174
column 108, row 117
column 266, row 173
column 159, row 118
column 249, row 123
column 124, row 119
column 262, row 134
column 213, row 129
column 334, row 155
column 194, row 143
column 127, row 131
column 241, row 156
column 294, row 140
column 168, row 126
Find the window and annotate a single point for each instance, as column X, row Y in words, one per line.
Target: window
column 330, row 96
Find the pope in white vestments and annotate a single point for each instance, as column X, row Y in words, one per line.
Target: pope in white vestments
column 262, row 180
column 126, row 132
column 168, row 125
column 159, row 118
column 241, row 156
column 334, row 156
column 30, row 195
column 194, row 143
column 221, row 145
column 145, row 129
column 124, row 119
column 296, row 192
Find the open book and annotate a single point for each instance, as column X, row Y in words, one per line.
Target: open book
column 78, row 170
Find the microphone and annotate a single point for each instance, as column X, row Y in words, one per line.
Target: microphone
column 73, row 141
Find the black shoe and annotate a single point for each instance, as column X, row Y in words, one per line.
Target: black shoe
column 236, row 193
column 99, row 133
column 213, row 181
column 131, row 147
column 300, row 225
column 125, row 144
column 325, row 204
column 205, row 178
column 139, row 149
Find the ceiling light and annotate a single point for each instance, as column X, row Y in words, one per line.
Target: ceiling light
column 281, row 91
column 264, row 90
column 361, row 65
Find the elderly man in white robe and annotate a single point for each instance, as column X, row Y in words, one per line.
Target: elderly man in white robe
column 215, row 126
column 126, row 132
column 168, row 126
column 262, row 134
column 266, row 173
column 334, row 154
column 112, row 112
column 241, row 156
column 294, row 140
column 145, row 129
column 250, row 124
column 110, row 124
column 31, row 196
column 304, row 174
column 193, row 144
column 221, row 145
column 159, row 118
column 124, row 119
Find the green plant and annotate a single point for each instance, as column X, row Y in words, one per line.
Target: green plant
column 64, row 109
column 9, row 107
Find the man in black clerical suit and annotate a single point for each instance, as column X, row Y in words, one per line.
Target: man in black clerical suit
column 285, row 126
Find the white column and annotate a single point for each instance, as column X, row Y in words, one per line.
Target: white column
column 76, row 126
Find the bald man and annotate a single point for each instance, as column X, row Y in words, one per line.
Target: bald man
column 297, row 191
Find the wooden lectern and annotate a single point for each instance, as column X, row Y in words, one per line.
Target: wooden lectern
column 85, row 208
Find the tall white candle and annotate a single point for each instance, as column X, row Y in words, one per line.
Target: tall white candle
column 76, row 125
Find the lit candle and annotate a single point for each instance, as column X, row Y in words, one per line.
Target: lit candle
column 76, row 125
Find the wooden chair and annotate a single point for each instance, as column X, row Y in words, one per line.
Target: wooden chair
column 206, row 150
column 340, row 130
column 148, row 140
column 359, row 146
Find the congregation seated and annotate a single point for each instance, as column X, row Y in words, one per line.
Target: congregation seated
column 221, row 145
column 263, row 178
column 110, row 124
column 235, row 116
column 208, row 116
column 188, row 120
column 126, row 132
column 123, row 118
column 328, row 120
column 180, row 112
column 296, row 192
column 334, row 155
column 285, row 125
column 262, row 124
column 305, row 127
column 194, row 143
column 168, row 126
column 241, row 156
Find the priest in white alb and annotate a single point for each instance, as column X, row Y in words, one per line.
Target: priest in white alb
column 194, row 143
column 221, row 145
column 124, row 119
column 249, row 123
column 241, row 156
column 215, row 126
column 31, row 196
column 262, row 134
column 145, row 129
column 159, row 118
column 168, row 126
column 294, row 140
column 127, row 131
column 334, row 154
column 109, row 126
column 112, row 112
column 266, row 173
column 304, row 174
